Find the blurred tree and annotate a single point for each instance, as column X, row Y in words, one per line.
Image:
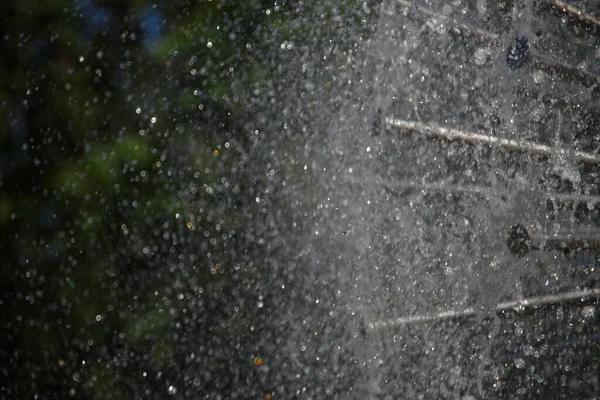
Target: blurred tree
column 133, row 203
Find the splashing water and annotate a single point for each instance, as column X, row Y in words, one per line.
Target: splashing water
column 424, row 206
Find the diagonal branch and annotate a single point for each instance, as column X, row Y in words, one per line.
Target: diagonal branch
column 451, row 134
column 583, row 296
column 575, row 12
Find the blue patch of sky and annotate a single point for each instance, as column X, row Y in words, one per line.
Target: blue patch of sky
column 95, row 17
column 150, row 25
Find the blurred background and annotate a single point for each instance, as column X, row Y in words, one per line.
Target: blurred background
column 145, row 152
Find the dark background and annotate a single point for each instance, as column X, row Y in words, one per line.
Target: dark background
column 141, row 146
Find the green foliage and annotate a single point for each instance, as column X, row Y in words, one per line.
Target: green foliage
column 125, row 175
column 146, row 327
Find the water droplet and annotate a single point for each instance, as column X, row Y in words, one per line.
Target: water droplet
column 527, row 349
column 588, row 312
